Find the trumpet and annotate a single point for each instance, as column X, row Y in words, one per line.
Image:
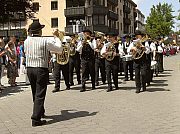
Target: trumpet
column 86, row 40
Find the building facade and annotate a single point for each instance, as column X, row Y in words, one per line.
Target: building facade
column 50, row 13
column 73, row 16
column 140, row 21
column 96, row 15
column 127, row 15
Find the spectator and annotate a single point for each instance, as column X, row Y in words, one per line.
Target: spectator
column 2, row 52
column 12, row 70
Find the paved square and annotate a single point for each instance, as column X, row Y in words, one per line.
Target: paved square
column 156, row 111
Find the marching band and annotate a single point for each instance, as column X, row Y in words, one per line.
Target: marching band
column 94, row 53
column 88, row 53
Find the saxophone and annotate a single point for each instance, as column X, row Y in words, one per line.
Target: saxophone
column 62, row 58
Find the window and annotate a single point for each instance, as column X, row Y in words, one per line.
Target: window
column 121, row 26
column 95, row 19
column 36, row 6
column 54, row 5
column 89, row 20
column 54, row 22
column 98, row 19
column 101, row 19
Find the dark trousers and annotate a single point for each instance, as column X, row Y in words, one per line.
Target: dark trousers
column 38, row 78
column 74, row 63
column 57, row 74
column 111, row 68
column 121, row 68
column 88, row 66
column 149, row 73
column 140, row 75
column 100, row 65
column 128, row 65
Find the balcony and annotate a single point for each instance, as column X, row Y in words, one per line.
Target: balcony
column 114, row 2
column 126, row 9
column 112, row 15
column 74, row 11
column 96, row 10
column 135, row 14
column 135, row 24
column 101, row 28
column 127, row 21
column 113, row 30
column 73, row 29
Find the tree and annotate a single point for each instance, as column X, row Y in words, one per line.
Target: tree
column 160, row 21
column 9, row 9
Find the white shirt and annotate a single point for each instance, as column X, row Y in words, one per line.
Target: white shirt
column 37, row 50
column 80, row 46
column 133, row 44
column 103, row 50
column 121, row 49
column 160, row 49
column 153, row 46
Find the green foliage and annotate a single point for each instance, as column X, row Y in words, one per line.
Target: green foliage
column 10, row 9
column 160, row 21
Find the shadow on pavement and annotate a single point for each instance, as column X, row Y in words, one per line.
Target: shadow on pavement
column 162, row 75
column 168, row 70
column 159, row 85
column 68, row 115
column 156, row 89
column 159, row 81
column 8, row 91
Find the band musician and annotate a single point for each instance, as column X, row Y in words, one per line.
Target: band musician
column 74, row 61
column 111, row 53
column 99, row 62
column 86, row 49
column 126, row 57
column 140, row 63
column 37, row 50
column 58, row 67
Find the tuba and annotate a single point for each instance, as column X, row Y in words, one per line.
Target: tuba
column 62, row 58
column 110, row 52
column 139, row 49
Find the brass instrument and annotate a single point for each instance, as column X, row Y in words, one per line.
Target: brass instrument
column 86, row 40
column 73, row 47
column 139, row 50
column 62, row 58
column 110, row 52
column 98, row 48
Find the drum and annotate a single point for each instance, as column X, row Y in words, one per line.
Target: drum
column 153, row 64
column 127, row 58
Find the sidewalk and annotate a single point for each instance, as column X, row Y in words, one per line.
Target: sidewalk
column 156, row 111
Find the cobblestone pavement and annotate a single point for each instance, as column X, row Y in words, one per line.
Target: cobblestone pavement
column 156, row 111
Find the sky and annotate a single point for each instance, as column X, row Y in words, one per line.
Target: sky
column 145, row 6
